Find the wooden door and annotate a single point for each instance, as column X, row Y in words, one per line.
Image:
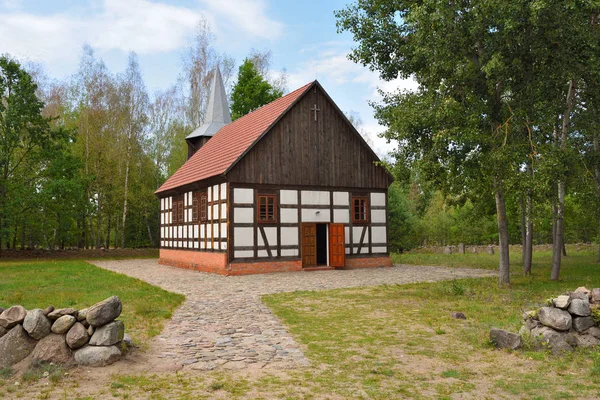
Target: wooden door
column 337, row 245
column 309, row 245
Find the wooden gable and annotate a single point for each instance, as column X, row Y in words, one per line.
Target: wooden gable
column 300, row 151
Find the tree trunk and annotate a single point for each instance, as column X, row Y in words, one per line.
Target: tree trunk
column 557, row 245
column 504, row 266
column 125, row 197
column 596, row 140
column 523, row 228
column 107, row 240
column 528, row 248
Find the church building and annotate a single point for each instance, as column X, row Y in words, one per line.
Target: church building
column 291, row 186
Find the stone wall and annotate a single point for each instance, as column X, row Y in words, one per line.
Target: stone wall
column 90, row 337
column 492, row 248
column 564, row 323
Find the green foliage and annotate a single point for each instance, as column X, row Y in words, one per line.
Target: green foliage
column 251, row 91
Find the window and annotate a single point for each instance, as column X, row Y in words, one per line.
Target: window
column 180, row 210
column 203, row 207
column 267, row 208
column 360, row 210
column 195, row 208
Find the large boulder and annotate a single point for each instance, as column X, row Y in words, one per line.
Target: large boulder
column 77, row 336
column 586, row 341
column 12, row 316
column 15, row 346
column 61, row 312
column 53, row 349
column 555, row 318
column 37, row 324
column 104, row 312
column 63, row 324
column 562, row 302
column 594, row 331
column 3, row 331
column 108, row 334
column 505, row 339
column 580, row 307
column 97, row 356
column 545, row 338
column 595, row 296
column 582, row 323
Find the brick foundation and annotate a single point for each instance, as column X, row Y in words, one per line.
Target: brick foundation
column 264, row 267
column 217, row 263
column 197, row 260
column 368, row 262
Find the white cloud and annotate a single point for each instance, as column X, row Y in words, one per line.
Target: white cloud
column 143, row 26
column 249, row 15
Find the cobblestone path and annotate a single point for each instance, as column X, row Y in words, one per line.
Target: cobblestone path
column 223, row 324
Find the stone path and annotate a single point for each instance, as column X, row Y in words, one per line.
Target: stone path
column 223, row 323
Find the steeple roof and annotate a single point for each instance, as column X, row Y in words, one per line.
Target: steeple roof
column 217, row 112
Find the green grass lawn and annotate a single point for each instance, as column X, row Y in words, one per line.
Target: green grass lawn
column 399, row 341
column 77, row 284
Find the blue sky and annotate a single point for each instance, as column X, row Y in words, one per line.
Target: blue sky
column 301, row 35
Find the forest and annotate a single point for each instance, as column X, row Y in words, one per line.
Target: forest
column 499, row 145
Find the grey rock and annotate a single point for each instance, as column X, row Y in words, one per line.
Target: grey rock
column 104, row 312
column 532, row 323
column 579, row 295
column 595, row 296
column 15, row 346
column 97, row 356
column 90, row 330
column 447, row 250
column 12, row 316
column 580, row 307
column 458, row 315
column 48, row 310
column 582, row 323
column 77, row 336
column 587, row 341
column 3, row 331
column 562, row 302
column 545, row 338
column 490, row 250
column 461, row 248
column 128, row 341
column 108, row 334
column 82, row 314
column 63, row 324
column 582, row 289
column 504, row 339
column 37, row 324
column 555, row 318
column 61, row 312
column 594, row 331
column 53, row 349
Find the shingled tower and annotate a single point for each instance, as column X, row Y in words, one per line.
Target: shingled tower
column 217, row 115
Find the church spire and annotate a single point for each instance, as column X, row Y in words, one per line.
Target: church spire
column 217, row 111
column 218, row 107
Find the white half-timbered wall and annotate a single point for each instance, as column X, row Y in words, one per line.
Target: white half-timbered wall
column 199, row 235
column 297, row 206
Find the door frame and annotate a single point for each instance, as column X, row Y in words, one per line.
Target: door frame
column 328, row 245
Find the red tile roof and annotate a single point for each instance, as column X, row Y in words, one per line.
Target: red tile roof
column 230, row 142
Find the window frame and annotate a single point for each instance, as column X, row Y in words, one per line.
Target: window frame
column 195, row 207
column 180, row 210
column 266, row 196
column 366, row 218
column 203, row 207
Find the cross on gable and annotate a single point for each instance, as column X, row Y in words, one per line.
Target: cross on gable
column 316, row 110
